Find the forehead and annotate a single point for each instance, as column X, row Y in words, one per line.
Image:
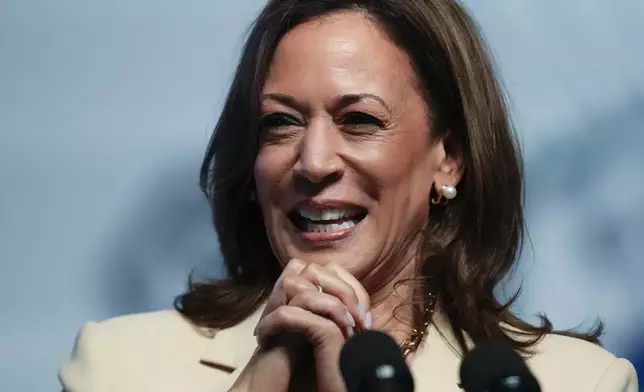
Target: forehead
column 345, row 50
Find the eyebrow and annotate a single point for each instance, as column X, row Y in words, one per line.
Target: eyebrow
column 341, row 102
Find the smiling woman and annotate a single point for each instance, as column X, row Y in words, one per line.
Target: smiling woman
column 363, row 174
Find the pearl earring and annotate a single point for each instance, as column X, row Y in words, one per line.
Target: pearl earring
column 445, row 193
column 449, row 191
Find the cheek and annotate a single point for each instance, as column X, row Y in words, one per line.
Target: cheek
column 269, row 172
column 399, row 165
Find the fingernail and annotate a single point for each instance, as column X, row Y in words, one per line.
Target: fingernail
column 350, row 318
column 368, row 321
column 349, row 331
column 362, row 312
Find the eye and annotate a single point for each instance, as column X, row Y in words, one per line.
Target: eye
column 361, row 119
column 278, row 127
column 277, row 120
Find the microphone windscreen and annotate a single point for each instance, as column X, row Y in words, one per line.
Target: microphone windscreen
column 372, row 360
column 495, row 366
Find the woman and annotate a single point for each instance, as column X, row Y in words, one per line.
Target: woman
column 362, row 175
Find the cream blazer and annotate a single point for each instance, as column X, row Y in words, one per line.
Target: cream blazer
column 162, row 352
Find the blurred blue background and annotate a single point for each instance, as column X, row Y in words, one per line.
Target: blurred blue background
column 106, row 108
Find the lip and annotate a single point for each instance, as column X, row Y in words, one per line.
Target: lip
column 322, row 204
column 324, row 238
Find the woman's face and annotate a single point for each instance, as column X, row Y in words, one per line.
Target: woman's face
column 346, row 165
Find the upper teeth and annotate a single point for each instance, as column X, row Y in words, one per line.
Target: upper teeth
column 327, row 215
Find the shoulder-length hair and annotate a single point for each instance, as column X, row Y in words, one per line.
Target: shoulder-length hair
column 473, row 241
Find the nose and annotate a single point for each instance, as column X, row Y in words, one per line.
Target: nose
column 319, row 161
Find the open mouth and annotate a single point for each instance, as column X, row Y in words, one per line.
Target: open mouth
column 327, row 220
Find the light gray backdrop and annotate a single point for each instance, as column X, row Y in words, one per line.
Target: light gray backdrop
column 106, row 108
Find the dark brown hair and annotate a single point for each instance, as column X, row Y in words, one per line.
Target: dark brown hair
column 472, row 242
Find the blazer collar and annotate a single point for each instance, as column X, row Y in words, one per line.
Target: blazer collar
column 231, row 347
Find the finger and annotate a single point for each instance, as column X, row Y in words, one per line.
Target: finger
column 358, row 288
column 294, row 267
column 332, row 284
column 325, row 305
column 278, row 297
column 317, row 329
column 303, row 293
column 293, row 285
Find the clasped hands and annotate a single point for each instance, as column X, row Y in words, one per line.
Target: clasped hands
column 312, row 310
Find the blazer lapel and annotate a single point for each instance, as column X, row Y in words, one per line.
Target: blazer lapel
column 232, row 347
column 435, row 365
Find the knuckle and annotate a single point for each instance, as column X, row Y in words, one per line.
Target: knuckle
column 288, row 282
column 311, row 268
column 283, row 313
column 294, row 286
column 295, row 265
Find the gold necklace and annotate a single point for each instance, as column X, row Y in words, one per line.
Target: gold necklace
column 416, row 337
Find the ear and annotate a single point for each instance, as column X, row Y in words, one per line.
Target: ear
column 450, row 162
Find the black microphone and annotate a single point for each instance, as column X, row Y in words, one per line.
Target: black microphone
column 372, row 361
column 494, row 366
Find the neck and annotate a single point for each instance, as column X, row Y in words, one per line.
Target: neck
column 396, row 286
column 395, row 304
